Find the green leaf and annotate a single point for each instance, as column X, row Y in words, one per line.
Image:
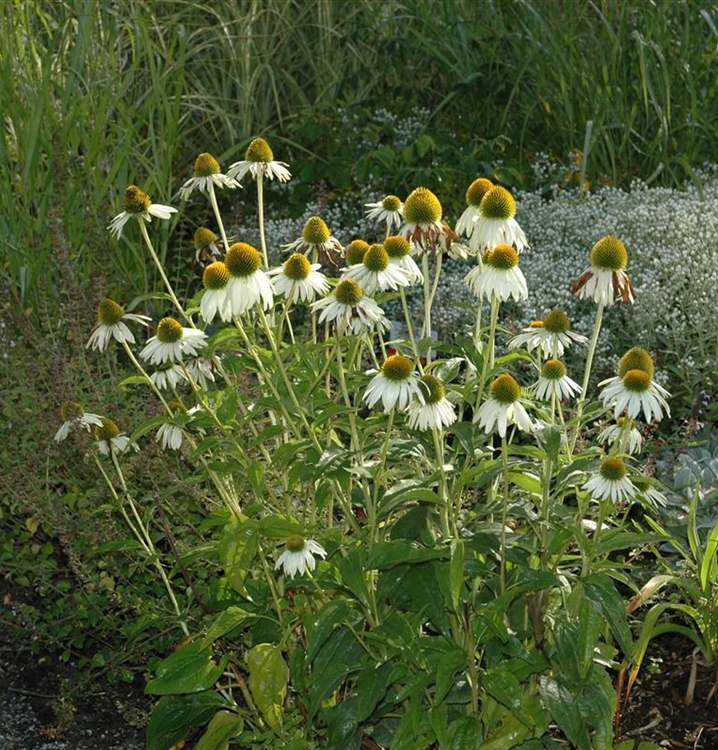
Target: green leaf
column 331, row 615
column 223, row 726
column 268, row 679
column 386, row 555
column 255, row 476
column 227, row 620
column 277, row 526
column 372, row 682
column 565, row 712
column 456, row 573
column 190, row 669
column 465, row 733
column 504, row 687
column 174, row 716
column 599, row 588
column 237, row 548
column 336, row 660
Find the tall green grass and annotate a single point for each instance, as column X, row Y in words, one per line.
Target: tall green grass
column 96, row 96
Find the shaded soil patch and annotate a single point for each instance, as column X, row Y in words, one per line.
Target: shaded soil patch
column 657, row 709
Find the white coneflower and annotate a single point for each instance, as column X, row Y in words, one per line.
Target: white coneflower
column 430, row 409
column 298, row 555
column 111, row 325
column 496, row 224
column 633, row 392
column 499, row 276
column 215, row 300
column 503, row 407
column 389, row 211
column 298, row 280
column 355, row 252
column 625, row 431
column 606, row 280
column 611, row 482
column 168, row 375
column 207, row 175
column 138, row 205
column 351, row 309
column 317, row 240
column 551, row 335
column 170, row 434
column 201, row 370
column 248, row 284
column 205, row 245
column 73, row 415
column 395, row 385
column 555, row 382
column 111, row 440
column 259, row 160
column 423, row 226
column 399, row 251
column 467, row 221
column 172, row 342
column 376, row 272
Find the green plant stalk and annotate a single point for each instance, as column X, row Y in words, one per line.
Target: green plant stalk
column 409, row 325
column 587, row 372
column 504, row 511
column 448, row 515
column 158, row 265
column 488, row 360
column 142, row 537
column 218, row 216
column 260, row 217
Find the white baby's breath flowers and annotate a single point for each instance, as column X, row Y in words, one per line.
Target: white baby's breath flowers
column 376, row 272
column 430, row 409
column 110, row 440
column 388, row 211
column 503, row 407
column 138, row 205
column 248, row 283
column 111, row 325
column 554, row 382
column 606, row 281
column 496, row 224
column 259, row 162
column 498, row 276
column 73, row 415
column 611, row 482
column 298, row 280
column 395, row 385
column 207, row 176
column 298, row 555
column 350, row 309
column 172, row 342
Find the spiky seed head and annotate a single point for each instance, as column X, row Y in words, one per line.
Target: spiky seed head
column 613, row 469
column 316, row 231
column 108, row 430
column 204, row 237
column 109, row 313
column 71, row 410
column 297, row 267
column 216, row 276
column 609, row 254
column 477, row 190
column 422, row 207
column 391, row 203
column 553, row 369
column 502, row 257
column 136, row 200
column 505, row 389
column 557, row 322
column 355, row 252
column 259, row 151
column 169, row 331
column 397, row 246
column 498, row 203
column 636, row 359
column 397, row 367
column 432, row 389
column 205, row 165
column 295, row 543
column 376, row 258
column 348, row 292
column 243, row 259
column 637, row 381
